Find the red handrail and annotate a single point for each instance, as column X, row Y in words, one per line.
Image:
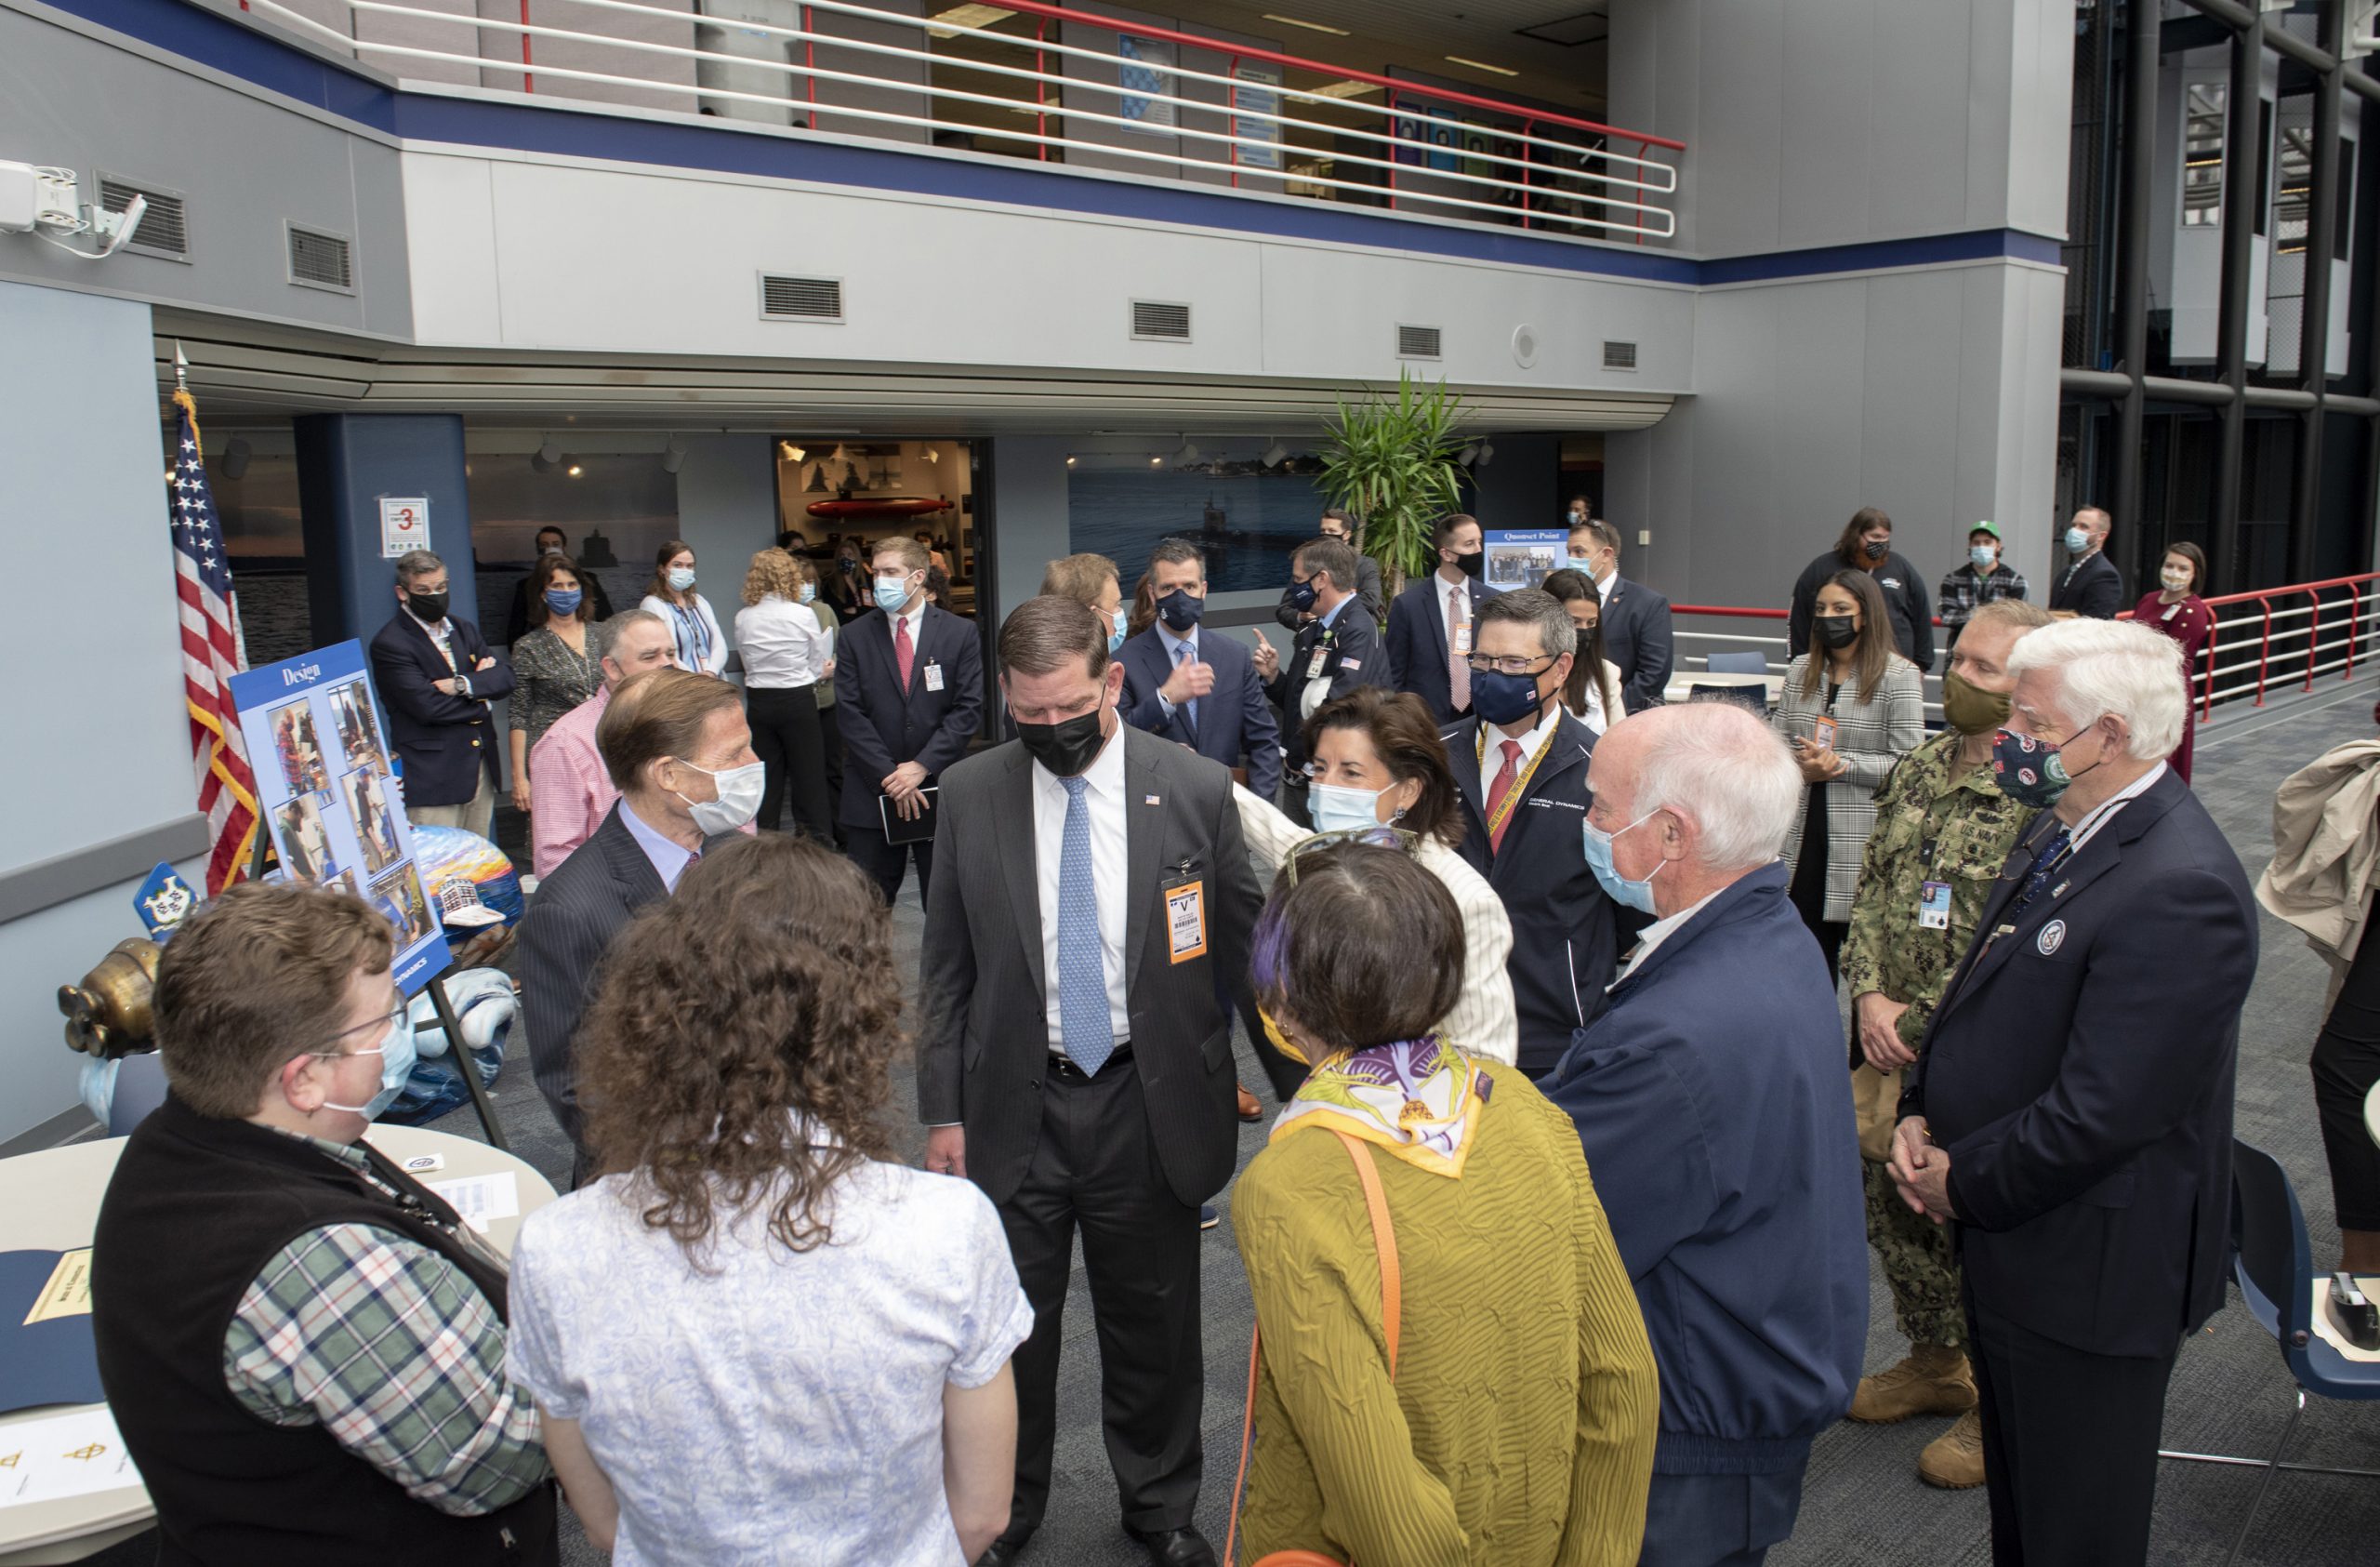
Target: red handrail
column 1136, row 30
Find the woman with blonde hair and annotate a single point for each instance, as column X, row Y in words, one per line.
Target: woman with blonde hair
column 788, row 654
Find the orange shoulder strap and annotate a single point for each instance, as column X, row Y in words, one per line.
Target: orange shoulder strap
column 1391, row 1279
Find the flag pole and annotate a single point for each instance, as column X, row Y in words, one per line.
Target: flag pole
column 182, row 369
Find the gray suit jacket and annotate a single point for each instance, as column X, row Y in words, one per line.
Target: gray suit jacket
column 985, row 1047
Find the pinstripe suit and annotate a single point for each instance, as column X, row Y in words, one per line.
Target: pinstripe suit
column 1126, row 1156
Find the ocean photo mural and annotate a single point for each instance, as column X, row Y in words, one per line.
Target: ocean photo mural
column 1249, row 516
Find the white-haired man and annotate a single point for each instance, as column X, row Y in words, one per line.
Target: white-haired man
column 2070, row 1108
column 1709, row 1095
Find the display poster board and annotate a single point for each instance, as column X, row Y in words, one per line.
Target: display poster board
column 1145, row 71
column 1524, row 557
column 1259, row 141
column 329, row 793
column 404, row 525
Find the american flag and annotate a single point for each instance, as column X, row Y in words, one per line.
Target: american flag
column 211, row 656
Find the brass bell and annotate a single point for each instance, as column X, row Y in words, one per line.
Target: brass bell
column 110, row 1013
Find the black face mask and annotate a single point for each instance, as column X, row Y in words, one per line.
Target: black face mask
column 1875, row 550
column 1836, row 632
column 1180, row 610
column 1472, row 564
column 1301, row 595
column 428, row 608
column 1066, row 748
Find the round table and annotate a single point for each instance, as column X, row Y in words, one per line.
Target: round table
column 54, row 1206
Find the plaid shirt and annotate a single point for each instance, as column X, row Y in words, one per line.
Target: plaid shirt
column 1964, row 591
column 392, row 1350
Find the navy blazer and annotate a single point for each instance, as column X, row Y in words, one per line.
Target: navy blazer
column 1564, row 949
column 1234, row 719
column 1636, row 638
column 882, row 725
column 1419, row 659
column 444, row 741
column 2092, row 588
column 1352, row 656
column 2077, row 1070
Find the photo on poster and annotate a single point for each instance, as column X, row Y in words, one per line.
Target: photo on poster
column 358, row 728
column 304, row 840
column 375, row 825
column 1524, row 557
column 348, row 881
column 398, row 895
column 298, row 749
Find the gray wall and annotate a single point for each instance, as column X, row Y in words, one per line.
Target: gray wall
column 101, row 706
column 727, row 509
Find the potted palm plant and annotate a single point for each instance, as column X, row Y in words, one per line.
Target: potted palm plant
column 1389, row 463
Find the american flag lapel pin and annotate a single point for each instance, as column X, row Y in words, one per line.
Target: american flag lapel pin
column 1148, row 799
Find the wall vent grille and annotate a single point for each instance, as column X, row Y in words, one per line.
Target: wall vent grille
column 164, row 223
column 1618, row 356
column 321, row 260
column 801, row 298
column 1417, row 343
column 1156, row 320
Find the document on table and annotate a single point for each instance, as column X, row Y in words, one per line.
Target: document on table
column 481, row 1197
column 64, row 1455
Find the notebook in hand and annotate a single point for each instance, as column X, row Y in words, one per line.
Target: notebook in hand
column 917, row 830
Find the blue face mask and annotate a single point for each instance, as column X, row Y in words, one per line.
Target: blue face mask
column 1302, row 595
column 1116, row 633
column 1180, row 610
column 2030, row 770
column 564, row 601
column 891, row 592
column 1634, row 895
column 1983, row 555
column 1499, row 698
column 397, row 1056
column 808, row 592
column 1581, row 564
column 681, row 578
column 1337, row 809
column 2077, row 541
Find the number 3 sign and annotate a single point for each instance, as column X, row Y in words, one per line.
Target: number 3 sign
column 404, row 525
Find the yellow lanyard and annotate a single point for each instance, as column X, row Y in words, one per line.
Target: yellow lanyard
column 1503, row 811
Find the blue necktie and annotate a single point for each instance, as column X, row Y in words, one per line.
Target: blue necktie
column 2045, row 866
column 1183, row 653
column 1082, row 977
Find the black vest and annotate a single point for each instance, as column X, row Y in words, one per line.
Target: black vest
column 196, row 1209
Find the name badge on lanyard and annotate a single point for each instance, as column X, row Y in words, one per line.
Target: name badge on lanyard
column 934, row 677
column 1314, row 666
column 1185, row 921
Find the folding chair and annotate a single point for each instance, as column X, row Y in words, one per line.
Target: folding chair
column 1753, row 662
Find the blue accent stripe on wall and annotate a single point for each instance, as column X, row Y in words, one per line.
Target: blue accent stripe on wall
column 241, row 51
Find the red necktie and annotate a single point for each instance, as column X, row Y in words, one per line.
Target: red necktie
column 902, row 650
column 1496, row 791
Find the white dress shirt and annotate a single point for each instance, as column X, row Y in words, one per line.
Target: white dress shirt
column 669, row 858
column 1105, row 799
column 1449, row 592
column 1491, row 749
column 2105, row 812
column 1604, row 588
column 782, row 644
column 1661, row 930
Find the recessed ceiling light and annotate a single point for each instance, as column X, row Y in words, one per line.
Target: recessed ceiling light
column 1348, row 88
column 1481, row 65
column 965, row 16
column 1309, row 26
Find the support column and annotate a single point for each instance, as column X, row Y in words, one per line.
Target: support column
column 2240, row 169
column 2314, row 339
column 2142, row 24
column 346, row 463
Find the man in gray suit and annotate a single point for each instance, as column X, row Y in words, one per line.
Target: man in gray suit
column 1088, row 925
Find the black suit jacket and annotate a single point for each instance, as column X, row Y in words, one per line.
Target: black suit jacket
column 1367, row 589
column 882, row 725
column 599, row 888
column 1636, row 638
column 1352, row 656
column 1907, row 604
column 443, row 740
column 1235, row 720
column 1563, row 948
column 986, row 1048
column 2092, row 588
column 2077, row 1070
column 1419, row 659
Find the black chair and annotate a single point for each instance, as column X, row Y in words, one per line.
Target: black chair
column 2273, row 1263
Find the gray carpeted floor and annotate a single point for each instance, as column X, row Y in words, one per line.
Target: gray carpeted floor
column 1863, row 1503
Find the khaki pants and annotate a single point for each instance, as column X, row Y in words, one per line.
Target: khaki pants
column 476, row 815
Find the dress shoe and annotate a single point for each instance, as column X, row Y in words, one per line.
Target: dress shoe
column 1933, row 1380
column 1004, row 1551
column 1175, row 1547
column 1209, row 1216
column 1954, row 1460
column 1250, row 1109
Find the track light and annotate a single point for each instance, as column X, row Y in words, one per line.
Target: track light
column 1469, row 455
column 234, row 462
column 1274, row 455
column 547, row 458
column 673, row 456
column 1487, row 452
column 1188, row 455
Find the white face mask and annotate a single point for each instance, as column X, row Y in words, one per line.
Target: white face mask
column 738, row 801
column 2176, row 580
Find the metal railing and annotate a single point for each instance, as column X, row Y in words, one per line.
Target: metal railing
column 1536, row 169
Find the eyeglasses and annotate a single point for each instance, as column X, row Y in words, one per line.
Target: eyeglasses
column 1509, row 663
column 388, row 1020
column 1400, row 838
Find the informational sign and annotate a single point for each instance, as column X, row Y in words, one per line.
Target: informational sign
column 163, row 900
column 1524, row 557
column 1259, row 143
column 1145, row 72
column 326, row 785
column 404, row 525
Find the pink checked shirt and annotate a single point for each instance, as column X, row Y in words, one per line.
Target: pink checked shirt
column 569, row 791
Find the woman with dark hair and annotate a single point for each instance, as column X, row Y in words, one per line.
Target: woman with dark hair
column 702, row 647
column 2178, row 611
column 556, row 665
column 1444, row 1255
column 1866, row 545
column 1851, row 708
column 758, row 1334
column 1593, row 694
column 1378, row 769
column 1143, row 614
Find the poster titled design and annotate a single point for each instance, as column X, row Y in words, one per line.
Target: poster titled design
column 329, row 798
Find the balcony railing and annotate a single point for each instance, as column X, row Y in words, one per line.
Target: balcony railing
column 1427, row 151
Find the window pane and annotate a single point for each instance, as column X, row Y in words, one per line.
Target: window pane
column 2203, row 155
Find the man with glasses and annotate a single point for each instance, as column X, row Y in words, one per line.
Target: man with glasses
column 1520, row 764
column 303, row 1347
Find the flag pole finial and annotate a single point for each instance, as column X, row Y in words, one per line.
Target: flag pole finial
column 181, row 368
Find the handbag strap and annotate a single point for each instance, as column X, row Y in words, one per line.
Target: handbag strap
column 1391, row 1316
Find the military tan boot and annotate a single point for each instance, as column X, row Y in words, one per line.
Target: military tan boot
column 1954, row 1459
column 1933, row 1380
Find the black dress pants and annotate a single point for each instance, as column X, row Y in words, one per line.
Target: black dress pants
column 2069, row 1444
column 830, row 735
column 886, row 863
column 2347, row 1062
column 785, row 739
column 1094, row 1169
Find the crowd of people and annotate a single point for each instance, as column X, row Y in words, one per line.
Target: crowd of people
column 1563, row 966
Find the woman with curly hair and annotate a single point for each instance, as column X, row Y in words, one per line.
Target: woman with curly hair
column 756, row 1337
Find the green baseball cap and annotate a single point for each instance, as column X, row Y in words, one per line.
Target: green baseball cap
column 1987, row 526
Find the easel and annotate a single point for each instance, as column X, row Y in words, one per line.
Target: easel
column 461, row 1051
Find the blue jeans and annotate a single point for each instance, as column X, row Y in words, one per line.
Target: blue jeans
column 1718, row 1521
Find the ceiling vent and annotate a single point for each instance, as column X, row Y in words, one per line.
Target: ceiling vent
column 321, row 260
column 1618, row 356
column 1417, row 343
column 801, row 298
column 164, row 231
column 1160, row 321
